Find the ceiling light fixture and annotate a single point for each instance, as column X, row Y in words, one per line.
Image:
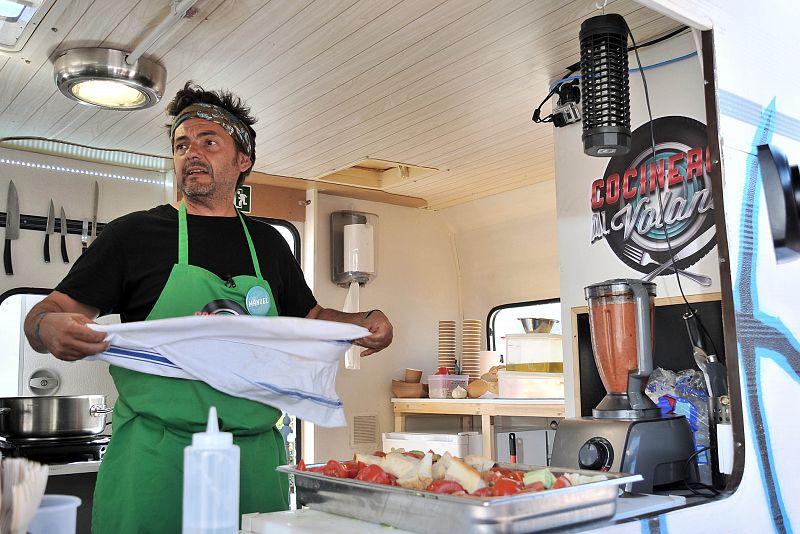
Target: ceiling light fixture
column 113, row 79
column 103, row 77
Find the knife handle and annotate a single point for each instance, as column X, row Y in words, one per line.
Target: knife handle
column 64, row 249
column 47, row 248
column 7, row 257
column 84, row 246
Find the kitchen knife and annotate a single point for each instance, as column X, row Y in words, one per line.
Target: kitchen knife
column 12, row 225
column 95, row 199
column 687, row 251
column 64, row 236
column 49, row 230
column 84, row 235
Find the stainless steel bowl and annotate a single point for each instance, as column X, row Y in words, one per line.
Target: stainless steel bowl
column 50, row 417
column 534, row 325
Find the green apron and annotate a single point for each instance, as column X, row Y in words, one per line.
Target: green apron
column 140, row 484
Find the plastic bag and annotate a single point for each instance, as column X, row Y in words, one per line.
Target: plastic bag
column 684, row 393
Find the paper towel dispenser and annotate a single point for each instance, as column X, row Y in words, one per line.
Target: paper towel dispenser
column 353, row 247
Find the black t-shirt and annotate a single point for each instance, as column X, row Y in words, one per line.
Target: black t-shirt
column 127, row 266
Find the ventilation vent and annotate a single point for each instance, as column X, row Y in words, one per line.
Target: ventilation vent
column 365, row 432
column 375, row 174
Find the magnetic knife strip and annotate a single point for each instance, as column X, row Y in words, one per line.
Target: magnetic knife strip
column 38, row 222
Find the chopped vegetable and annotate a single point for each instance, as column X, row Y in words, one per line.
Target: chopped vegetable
column 373, row 473
column 540, row 475
column 561, row 482
column 506, row 486
column 444, row 486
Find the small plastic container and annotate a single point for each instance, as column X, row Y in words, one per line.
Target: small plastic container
column 519, row 385
column 57, row 514
column 441, row 386
column 211, row 482
column 534, row 353
column 460, row 444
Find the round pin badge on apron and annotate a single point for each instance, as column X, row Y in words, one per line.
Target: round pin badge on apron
column 257, row 301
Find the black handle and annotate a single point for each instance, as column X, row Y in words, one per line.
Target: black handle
column 692, row 328
column 64, row 249
column 7, row 257
column 47, row 248
column 84, row 246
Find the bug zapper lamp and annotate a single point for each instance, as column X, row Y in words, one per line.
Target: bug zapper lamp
column 604, row 86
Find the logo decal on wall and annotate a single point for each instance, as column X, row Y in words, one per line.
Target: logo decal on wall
column 627, row 213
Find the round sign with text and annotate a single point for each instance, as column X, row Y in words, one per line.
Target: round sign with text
column 648, row 202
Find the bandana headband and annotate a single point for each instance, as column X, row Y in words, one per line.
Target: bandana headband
column 209, row 112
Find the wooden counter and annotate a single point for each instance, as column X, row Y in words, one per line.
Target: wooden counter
column 485, row 408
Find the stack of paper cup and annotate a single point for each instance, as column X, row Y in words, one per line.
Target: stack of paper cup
column 447, row 345
column 471, row 348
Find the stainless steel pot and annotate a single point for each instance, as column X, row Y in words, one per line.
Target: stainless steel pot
column 51, row 417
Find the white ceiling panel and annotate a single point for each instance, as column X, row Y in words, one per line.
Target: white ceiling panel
column 449, row 84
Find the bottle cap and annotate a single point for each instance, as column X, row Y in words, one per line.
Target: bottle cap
column 212, row 438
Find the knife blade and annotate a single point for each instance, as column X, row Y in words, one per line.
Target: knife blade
column 84, row 235
column 12, row 225
column 64, row 255
column 687, row 251
column 49, row 230
column 95, row 199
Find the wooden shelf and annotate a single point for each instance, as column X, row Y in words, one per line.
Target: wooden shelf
column 485, row 408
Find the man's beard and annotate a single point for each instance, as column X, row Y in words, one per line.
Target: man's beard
column 192, row 189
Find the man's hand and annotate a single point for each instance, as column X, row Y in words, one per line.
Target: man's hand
column 57, row 325
column 66, row 336
column 381, row 330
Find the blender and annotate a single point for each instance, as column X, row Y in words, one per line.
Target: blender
column 627, row 431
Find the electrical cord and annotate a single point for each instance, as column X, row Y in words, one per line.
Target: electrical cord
column 537, row 113
column 653, row 154
column 658, row 194
column 713, row 492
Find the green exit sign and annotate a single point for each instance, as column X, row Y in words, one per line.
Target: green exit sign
column 243, row 199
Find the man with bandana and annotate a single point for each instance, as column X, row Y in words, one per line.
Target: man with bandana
column 195, row 256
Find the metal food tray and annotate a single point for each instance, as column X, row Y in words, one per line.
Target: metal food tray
column 433, row 513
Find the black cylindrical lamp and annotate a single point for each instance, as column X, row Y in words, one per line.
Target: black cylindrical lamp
column 604, row 86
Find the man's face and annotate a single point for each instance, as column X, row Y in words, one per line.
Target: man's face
column 207, row 162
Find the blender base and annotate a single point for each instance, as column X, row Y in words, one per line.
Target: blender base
column 622, row 406
column 657, row 449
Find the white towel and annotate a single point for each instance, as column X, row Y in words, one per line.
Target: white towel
column 285, row 362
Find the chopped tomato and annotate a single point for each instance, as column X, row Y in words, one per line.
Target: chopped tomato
column 506, row 486
column 561, row 482
column 491, row 476
column 379, row 453
column 483, row 492
column 374, row 473
column 301, row 466
column 444, row 486
column 335, row 469
column 514, row 474
column 353, row 468
column 533, row 487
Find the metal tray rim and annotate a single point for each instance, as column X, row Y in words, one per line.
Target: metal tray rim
column 614, row 479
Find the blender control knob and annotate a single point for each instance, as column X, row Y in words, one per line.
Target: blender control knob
column 597, row 454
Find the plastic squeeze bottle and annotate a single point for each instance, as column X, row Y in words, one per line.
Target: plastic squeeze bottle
column 211, row 482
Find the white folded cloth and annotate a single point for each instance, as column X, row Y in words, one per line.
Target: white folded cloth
column 285, row 362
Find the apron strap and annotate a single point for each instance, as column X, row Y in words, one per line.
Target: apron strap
column 183, row 235
column 253, row 255
column 183, row 240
